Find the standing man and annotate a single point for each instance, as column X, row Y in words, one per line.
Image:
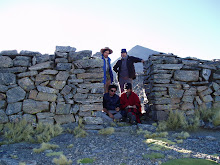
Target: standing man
column 125, row 68
column 107, row 69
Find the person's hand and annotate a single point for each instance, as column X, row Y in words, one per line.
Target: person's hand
column 111, row 116
column 134, row 106
column 117, row 109
column 142, row 61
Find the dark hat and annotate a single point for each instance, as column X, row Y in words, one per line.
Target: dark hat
column 106, row 48
column 127, row 86
column 123, row 51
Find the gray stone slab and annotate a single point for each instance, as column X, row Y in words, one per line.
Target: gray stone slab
column 41, row 96
column 167, row 66
column 64, row 66
column 13, row 108
column 5, row 62
column 63, row 119
column 44, row 65
column 65, row 49
column 33, row 107
column 185, row 75
column 29, row 53
column 175, row 93
column 13, row 70
column 26, row 83
column 7, row 78
column 47, row 89
column 187, row 106
column 73, row 56
column 216, row 76
column 58, row 84
column 3, row 117
column 27, row 74
column 93, row 120
column 88, row 63
column 9, row 52
column 3, row 88
column 62, row 75
column 49, row 71
column 63, row 109
column 15, row 94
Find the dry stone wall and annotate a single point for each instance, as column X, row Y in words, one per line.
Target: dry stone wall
column 185, row 84
column 58, row 88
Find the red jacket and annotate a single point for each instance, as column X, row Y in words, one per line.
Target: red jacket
column 133, row 99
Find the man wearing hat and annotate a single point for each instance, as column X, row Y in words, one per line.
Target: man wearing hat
column 130, row 105
column 125, row 68
column 108, row 76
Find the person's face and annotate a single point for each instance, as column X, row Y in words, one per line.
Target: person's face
column 112, row 91
column 128, row 90
column 123, row 54
column 106, row 53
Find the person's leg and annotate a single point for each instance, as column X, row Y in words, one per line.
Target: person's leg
column 118, row 116
column 106, row 85
column 121, row 83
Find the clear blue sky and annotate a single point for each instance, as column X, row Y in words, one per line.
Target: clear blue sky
column 182, row 27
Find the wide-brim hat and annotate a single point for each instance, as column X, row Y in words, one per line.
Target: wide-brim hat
column 106, row 48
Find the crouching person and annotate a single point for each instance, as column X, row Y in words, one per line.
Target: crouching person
column 111, row 104
column 130, row 105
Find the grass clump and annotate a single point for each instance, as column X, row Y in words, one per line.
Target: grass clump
column 216, row 118
column 70, row 146
column 179, row 141
column 113, row 124
column 23, row 131
column 182, row 135
column 159, row 144
column 189, row 161
column 85, row 160
column 141, row 131
column 55, row 153
column 123, row 124
column 153, row 155
column 1, row 127
column 79, row 132
column 62, row 160
column 45, row 146
column 22, row 163
column 107, row 131
column 154, row 135
column 162, row 126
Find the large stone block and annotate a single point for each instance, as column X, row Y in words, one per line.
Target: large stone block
column 5, row 62
column 62, row 75
column 64, row 66
column 7, row 78
column 2, row 104
column 215, row 86
column 13, row 108
column 89, row 75
column 33, row 107
column 29, row 53
column 44, row 115
column 49, row 71
column 47, row 89
column 73, row 56
column 58, row 84
column 3, row 88
column 186, row 75
column 15, row 94
column 74, row 109
column 188, row 99
column 201, row 88
column 66, row 90
column 42, row 58
column 216, row 76
column 26, row 83
column 88, row 63
column 13, row 70
column 3, row 117
column 15, row 118
column 9, row 52
column 187, row 106
column 41, row 66
column 41, row 96
column 61, row 54
column 207, row 98
column 63, row 109
column 162, row 100
column 206, row 92
column 63, row 119
column 29, row 118
column 91, row 107
column 167, row 66
column 175, row 93
column 22, row 61
column 27, row 74
column 93, row 120
column 65, row 49
column 161, row 81
column 161, row 76
column 190, row 92
column 33, row 94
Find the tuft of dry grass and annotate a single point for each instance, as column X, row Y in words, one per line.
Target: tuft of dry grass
column 107, row 131
column 79, row 132
column 182, row 135
column 62, row 160
column 141, row 131
column 153, row 155
column 216, row 117
column 70, row 146
column 55, row 153
column 45, row 146
column 23, row 131
column 154, row 135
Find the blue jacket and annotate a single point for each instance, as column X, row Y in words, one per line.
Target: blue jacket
column 104, row 69
column 110, row 103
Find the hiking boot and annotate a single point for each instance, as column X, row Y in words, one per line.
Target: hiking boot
column 133, row 120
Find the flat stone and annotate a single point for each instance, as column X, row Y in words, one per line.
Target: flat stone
column 53, row 107
column 91, row 107
column 3, row 88
column 80, row 96
column 27, row 74
column 206, row 92
column 159, row 89
column 84, row 113
column 42, row 58
column 75, row 81
column 77, row 71
column 15, row 94
column 89, row 75
column 190, row 92
column 74, row 109
column 47, row 121
column 216, row 93
column 33, row 94
column 61, row 60
column 2, row 104
column 94, row 70
column 207, row 66
column 201, row 88
column 88, row 63
column 62, row 76
column 63, row 119
column 24, row 61
column 29, row 118
column 215, row 86
column 15, row 118
column 161, row 81
column 199, row 101
column 9, row 52
column 7, row 78
column 44, row 115
column 61, row 54
column 185, row 75
column 147, row 127
column 200, row 83
column 13, row 108
column 175, row 93
column 58, row 84
column 190, row 62
column 207, row 98
column 13, row 70
column 187, row 106
column 82, row 90
column 3, row 117
column 41, row 96
column 175, row 100
column 162, row 76
column 161, row 101
column 29, row 53
column 41, row 66
column 63, row 109
column 93, row 120
column 162, row 107
column 49, row 71
column 64, row 66
column 167, row 66
column 206, row 74
column 188, row 99
column 33, row 107
column 217, row 98
column 66, row 90
column 41, row 78
column 216, row 76
column 73, row 56
column 5, row 62
column 99, row 90
column 47, row 89
column 26, row 83
column 65, row 49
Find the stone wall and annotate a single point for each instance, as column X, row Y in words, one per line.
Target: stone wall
column 56, row 88
column 186, row 84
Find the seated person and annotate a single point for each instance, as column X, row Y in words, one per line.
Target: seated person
column 130, row 105
column 111, row 104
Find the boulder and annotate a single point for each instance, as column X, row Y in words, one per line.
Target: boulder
column 33, row 107
column 15, row 94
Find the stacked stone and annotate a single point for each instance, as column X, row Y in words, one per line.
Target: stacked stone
column 57, row 88
column 186, row 84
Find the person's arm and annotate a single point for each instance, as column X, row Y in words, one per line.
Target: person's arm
column 118, row 105
column 137, row 102
column 136, row 59
column 105, row 107
column 123, row 101
column 115, row 67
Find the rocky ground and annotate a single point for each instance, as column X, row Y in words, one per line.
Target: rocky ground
column 124, row 146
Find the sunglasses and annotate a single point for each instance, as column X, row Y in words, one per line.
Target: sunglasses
column 113, row 91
